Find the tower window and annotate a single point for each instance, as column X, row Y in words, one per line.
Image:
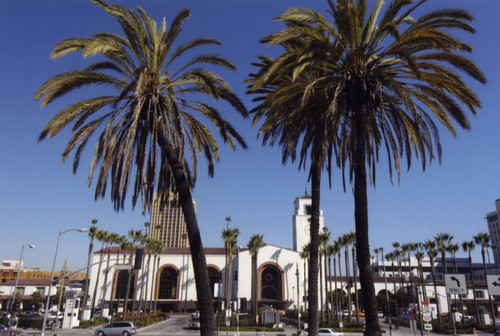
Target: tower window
column 308, row 209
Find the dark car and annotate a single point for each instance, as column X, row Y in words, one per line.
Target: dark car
column 117, row 328
column 2, row 327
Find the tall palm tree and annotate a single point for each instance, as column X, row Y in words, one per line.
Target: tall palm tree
column 340, row 245
column 355, row 273
column 119, row 241
column 442, row 241
column 430, row 248
column 102, row 236
column 111, row 238
column 483, row 239
column 230, row 238
column 304, row 255
column 347, row 240
column 360, row 81
column 398, row 253
column 331, row 252
column 151, row 122
column 323, row 239
column 391, row 256
column 254, row 245
column 159, row 247
column 92, row 233
column 468, row 246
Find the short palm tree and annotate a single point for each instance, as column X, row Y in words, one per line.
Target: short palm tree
column 92, row 233
column 323, row 239
column 362, row 80
column 150, row 122
column 102, row 236
column 254, row 245
column 468, row 246
column 430, row 248
column 442, row 241
column 230, row 238
column 483, row 239
column 304, row 255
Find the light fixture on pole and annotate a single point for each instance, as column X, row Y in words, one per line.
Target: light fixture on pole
column 13, row 294
column 47, row 303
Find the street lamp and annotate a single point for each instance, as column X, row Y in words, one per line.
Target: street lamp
column 13, row 295
column 52, row 277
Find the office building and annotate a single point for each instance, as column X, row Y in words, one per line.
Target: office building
column 167, row 223
column 494, row 230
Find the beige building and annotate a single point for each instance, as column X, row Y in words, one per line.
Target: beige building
column 167, row 223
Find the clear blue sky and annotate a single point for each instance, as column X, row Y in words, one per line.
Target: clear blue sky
column 40, row 196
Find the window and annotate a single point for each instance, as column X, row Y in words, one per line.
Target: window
column 308, row 210
column 40, row 290
column 493, row 218
column 480, row 294
column 20, row 291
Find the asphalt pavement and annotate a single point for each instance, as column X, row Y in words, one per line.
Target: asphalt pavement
column 177, row 325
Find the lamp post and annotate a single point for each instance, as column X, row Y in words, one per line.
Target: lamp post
column 387, row 293
column 13, row 295
column 52, row 277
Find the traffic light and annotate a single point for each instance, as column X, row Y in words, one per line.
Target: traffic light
column 77, row 303
column 453, row 308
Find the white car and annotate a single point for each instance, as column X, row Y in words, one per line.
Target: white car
column 329, row 332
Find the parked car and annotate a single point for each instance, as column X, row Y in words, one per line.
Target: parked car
column 497, row 333
column 195, row 314
column 194, row 323
column 117, row 328
column 329, row 332
column 2, row 327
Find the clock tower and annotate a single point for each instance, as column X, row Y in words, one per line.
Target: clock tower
column 301, row 218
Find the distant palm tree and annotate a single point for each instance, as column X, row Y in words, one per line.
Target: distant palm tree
column 92, row 234
column 102, row 236
column 483, row 240
column 323, row 239
column 355, row 272
column 347, row 239
column 110, row 240
column 442, row 241
column 159, row 247
column 230, row 238
column 331, row 252
column 391, row 256
column 468, row 246
column 430, row 248
column 151, row 120
column 304, row 255
column 340, row 244
column 254, row 245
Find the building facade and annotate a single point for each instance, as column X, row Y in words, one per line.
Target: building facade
column 167, row 222
column 493, row 219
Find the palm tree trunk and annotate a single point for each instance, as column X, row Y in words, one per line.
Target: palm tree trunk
column 361, row 220
column 129, row 283
column 204, row 294
column 147, row 303
column 327, row 301
column 354, row 275
column 438, row 305
column 348, row 275
column 313, row 246
column 493, row 314
column 87, row 280
column 341, row 290
column 473, row 287
column 320, row 289
column 105, row 285
column 394, row 287
column 254, row 286
column 336, row 294
column 306, row 284
column 92, row 305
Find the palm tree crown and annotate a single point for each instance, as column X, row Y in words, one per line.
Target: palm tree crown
column 151, row 109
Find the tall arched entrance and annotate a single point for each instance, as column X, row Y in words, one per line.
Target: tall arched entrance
column 168, row 289
column 271, row 286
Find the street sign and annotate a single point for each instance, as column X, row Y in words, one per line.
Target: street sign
column 427, row 317
column 428, row 326
column 493, row 282
column 455, row 284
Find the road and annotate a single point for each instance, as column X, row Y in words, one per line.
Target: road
column 177, row 325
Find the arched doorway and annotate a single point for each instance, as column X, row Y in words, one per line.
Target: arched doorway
column 214, row 276
column 167, row 288
column 271, row 286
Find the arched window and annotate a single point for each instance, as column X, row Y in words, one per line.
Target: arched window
column 168, row 284
column 121, row 285
column 271, row 283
